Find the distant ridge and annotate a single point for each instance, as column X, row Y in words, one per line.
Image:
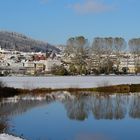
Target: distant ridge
column 20, row 42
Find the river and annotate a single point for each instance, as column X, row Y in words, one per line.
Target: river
column 65, row 116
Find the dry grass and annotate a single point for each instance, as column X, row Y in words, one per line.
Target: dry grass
column 2, row 127
column 9, row 92
column 115, row 89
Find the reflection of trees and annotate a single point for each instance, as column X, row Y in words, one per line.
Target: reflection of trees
column 109, row 107
column 102, row 107
column 3, row 120
column 134, row 111
column 77, row 108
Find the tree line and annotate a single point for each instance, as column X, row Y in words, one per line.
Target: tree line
column 86, row 58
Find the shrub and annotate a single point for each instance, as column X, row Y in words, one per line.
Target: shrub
column 2, row 84
column 59, row 70
column 7, row 91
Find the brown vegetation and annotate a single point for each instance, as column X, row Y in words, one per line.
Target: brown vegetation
column 2, row 127
column 9, row 91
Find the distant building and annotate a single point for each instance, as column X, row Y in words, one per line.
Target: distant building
column 127, row 62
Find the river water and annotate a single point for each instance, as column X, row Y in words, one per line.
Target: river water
column 66, row 116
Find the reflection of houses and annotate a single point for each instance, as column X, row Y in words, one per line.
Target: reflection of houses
column 19, row 106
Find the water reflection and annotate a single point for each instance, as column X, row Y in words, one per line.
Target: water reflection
column 77, row 107
column 56, row 112
column 109, row 107
column 3, row 124
column 88, row 136
column 103, row 107
column 134, row 110
column 17, row 106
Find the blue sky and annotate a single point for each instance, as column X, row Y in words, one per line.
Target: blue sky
column 55, row 21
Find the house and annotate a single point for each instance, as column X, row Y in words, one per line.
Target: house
column 39, row 67
column 50, row 63
column 30, row 70
column 30, row 67
column 127, row 62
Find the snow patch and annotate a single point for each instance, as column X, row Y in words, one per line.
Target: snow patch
column 8, row 137
column 68, row 81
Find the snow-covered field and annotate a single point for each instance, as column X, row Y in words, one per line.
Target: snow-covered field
column 8, row 137
column 68, row 81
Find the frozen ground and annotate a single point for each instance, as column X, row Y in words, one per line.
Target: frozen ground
column 68, row 81
column 8, row 137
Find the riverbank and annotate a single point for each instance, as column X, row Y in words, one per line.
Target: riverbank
column 10, row 92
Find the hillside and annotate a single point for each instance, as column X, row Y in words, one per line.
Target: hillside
column 20, row 42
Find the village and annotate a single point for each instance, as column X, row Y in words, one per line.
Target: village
column 38, row 63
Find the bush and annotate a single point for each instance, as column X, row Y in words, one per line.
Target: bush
column 3, row 127
column 2, row 84
column 72, row 70
column 59, row 70
column 135, row 88
column 7, row 91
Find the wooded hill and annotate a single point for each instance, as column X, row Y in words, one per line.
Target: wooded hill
column 20, row 42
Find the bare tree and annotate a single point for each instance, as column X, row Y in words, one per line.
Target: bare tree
column 77, row 48
column 108, row 49
column 119, row 45
column 70, row 49
column 102, row 48
column 96, row 53
column 134, row 46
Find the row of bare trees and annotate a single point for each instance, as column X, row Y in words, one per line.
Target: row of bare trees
column 107, row 47
column 99, row 53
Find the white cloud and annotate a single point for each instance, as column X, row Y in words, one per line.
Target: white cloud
column 91, row 6
column 44, row 1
